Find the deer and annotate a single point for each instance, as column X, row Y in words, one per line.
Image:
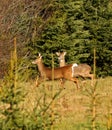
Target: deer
column 81, row 70
column 65, row 72
column 61, row 58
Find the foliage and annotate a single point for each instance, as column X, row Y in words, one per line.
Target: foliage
column 48, row 26
column 11, row 96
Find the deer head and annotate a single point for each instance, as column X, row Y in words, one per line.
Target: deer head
column 39, row 58
column 61, row 58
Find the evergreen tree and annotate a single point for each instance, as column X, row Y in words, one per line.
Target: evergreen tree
column 11, row 96
column 98, row 20
column 77, row 34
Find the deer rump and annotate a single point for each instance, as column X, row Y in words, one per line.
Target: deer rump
column 81, row 70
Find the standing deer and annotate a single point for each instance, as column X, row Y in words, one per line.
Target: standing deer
column 61, row 58
column 65, row 72
column 82, row 70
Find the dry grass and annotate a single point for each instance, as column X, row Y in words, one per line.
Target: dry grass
column 72, row 105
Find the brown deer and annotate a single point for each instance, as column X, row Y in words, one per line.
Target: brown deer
column 61, row 58
column 59, row 73
column 82, row 70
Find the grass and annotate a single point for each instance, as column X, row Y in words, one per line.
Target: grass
column 73, row 105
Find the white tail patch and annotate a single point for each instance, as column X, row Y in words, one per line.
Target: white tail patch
column 74, row 65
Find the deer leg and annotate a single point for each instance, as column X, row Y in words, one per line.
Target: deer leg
column 75, row 80
column 92, row 78
column 38, row 81
column 62, row 82
column 77, row 84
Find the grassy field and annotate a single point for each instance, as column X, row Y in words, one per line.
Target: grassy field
column 89, row 108
column 77, row 109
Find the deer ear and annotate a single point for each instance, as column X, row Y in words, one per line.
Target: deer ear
column 39, row 54
column 65, row 53
column 57, row 53
column 40, row 57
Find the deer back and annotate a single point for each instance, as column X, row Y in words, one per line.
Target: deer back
column 63, row 72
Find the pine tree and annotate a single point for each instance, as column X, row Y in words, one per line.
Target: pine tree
column 77, row 35
column 98, row 21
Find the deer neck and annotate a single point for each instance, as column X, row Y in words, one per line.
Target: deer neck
column 62, row 63
column 41, row 67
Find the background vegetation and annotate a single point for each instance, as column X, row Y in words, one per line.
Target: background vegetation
column 48, row 26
